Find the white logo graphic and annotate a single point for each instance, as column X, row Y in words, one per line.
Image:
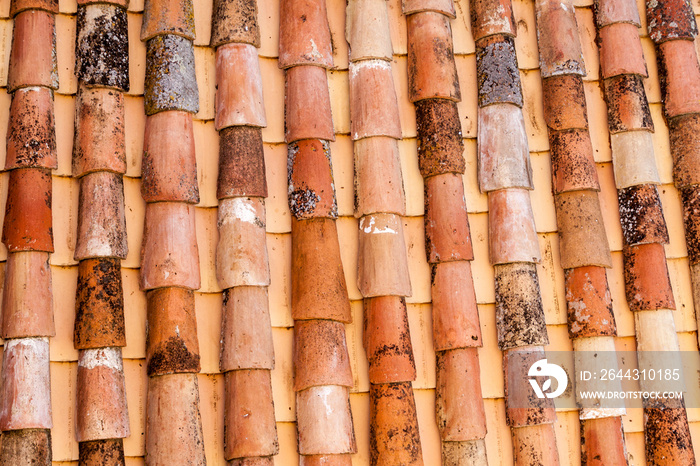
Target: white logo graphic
column 542, row 368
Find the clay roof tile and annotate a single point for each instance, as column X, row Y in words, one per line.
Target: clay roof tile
column 671, row 19
column 374, row 108
column 445, row 7
column 608, row 12
column 33, row 56
column 324, row 421
column 307, row 104
column 497, row 72
column 241, row 163
column 170, row 82
column 31, row 132
column 28, row 222
column 17, row 6
column 633, row 159
column 603, row 438
column 378, row 181
column 564, row 102
column 691, row 205
column 439, row 138
column 647, row 284
column 679, row 77
column 325, row 460
column 684, row 136
column 628, row 108
column 366, row 24
column 320, row 354
column 641, row 215
column 311, row 192
column 573, row 167
column 512, row 234
column 523, row 407
column 168, row 17
column 489, row 17
column 97, row 452
column 305, row 37
column 621, row 36
column 535, row 443
column 235, row 21
column 447, row 235
column 18, row 445
column 588, row 303
column 558, row 40
column 455, row 315
column 393, row 421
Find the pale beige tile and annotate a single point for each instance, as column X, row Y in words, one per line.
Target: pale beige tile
column 624, row 318
column 567, row 429
column 526, row 38
column 336, row 22
column 202, row 21
column 418, row 268
column 206, row 142
column 338, row 86
column 5, row 42
column 466, row 71
column 412, row 179
column 134, row 129
column 551, row 278
column 673, row 214
column 427, row 426
column 279, row 218
column 64, row 378
column 662, row 147
column 135, row 211
column 137, row 51
column 65, row 54
column 533, row 111
column 205, row 70
column 208, row 309
column 587, row 33
column 397, row 26
column 597, row 121
column 407, row 112
column 634, row 442
column 211, row 399
column 134, row 315
column 64, row 212
column 342, row 159
column 359, row 405
column 490, row 357
column 609, row 206
column 64, row 108
column 207, row 239
column 420, row 322
column 64, row 281
column 136, row 386
column 684, row 315
column 477, row 202
column 287, row 436
column 358, row 357
column 279, row 250
column 462, row 37
column 541, row 198
column 482, row 270
column 348, row 239
column 282, row 375
column 651, row 84
column 273, row 96
column 499, row 445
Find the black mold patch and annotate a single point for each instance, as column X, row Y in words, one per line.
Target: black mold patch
column 26, row 447
column 102, row 453
column 641, row 216
column 628, row 108
column 440, row 145
column 497, row 71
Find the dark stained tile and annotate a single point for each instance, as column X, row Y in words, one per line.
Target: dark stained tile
column 641, row 216
column 573, row 167
column 394, row 436
column 628, row 108
column 170, row 82
column 27, row 447
column 684, row 136
column 31, row 132
column 99, row 452
column 671, row 19
column 235, row 21
column 497, row 72
column 241, row 163
column 647, row 284
column 691, row 219
column 667, row 436
column 440, row 145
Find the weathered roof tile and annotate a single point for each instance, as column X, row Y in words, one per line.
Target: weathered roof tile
column 20, row 445
column 588, row 303
column 641, row 216
column 305, row 38
column 445, row 7
column 471, row 451
column 170, row 82
column 439, row 134
column 366, row 29
column 447, row 235
column 33, row 57
column 647, row 284
column 603, row 438
column 582, row 238
column 490, row 17
column 320, row 354
column 241, row 163
column 671, row 19
column 497, row 71
column 628, row 108
column 691, row 206
column 324, row 421
column 573, row 167
column 235, row 21
column 558, row 40
column 633, row 159
column 535, row 443
column 612, row 11
column 311, row 192
column 98, row 452
column 684, row 136
column 323, row 460
column 616, row 37
column 307, row 104
column 239, row 96
column 661, row 421
column 523, row 407
column 31, row 132
column 259, row 461
column 455, row 315
column 28, row 223
column 168, row 17
column 374, row 108
column 393, row 421
column 17, row 6
column 120, row 3
column 679, row 77
column 512, row 234
column 378, row 180
column 564, row 102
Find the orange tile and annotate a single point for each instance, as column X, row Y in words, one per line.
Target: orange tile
column 679, row 77
column 311, row 191
column 589, row 303
column 246, row 335
column 621, row 35
column 628, row 108
column 28, row 217
column 523, row 408
column 535, row 443
column 564, row 102
column 610, row 12
column 379, row 184
column 492, row 17
column 239, row 96
column 320, row 354
column 647, row 283
column 455, row 315
column 512, row 235
column 394, row 425
column 447, row 234
column 559, row 48
column 374, row 109
column 160, row 17
column 304, row 34
column 47, row 5
column 671, row 20
column 307, row 104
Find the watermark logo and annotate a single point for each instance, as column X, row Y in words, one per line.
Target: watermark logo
column 542, row 368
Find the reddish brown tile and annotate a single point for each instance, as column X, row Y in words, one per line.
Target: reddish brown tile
column 387, row 340
column 367, row 30
column 440, row 145
column 564, row 102
column 497, row 71
column 253, row 461
column 305, row 37
column 691, row 219
column 445, row 7
column 382, row 259
column 378, row 180
column 249, row 415
column 27, row 302
column 235, row 21
column 432, row 72
column 447, row 235
column 325, row 460
column 582, row 238
column 573, row 167
column 241, row 253
column 170, row 82
column 628, row 108
column 519, row 314
column 171, row 334
column 26, row 389
column 239, row 95
column 679, row 77
column 684, row 136
column 647, row 284
column 28, row 224
column 621, row 36
column 99, row 305
column 602, row 442
column 523, row 408
column 455, row 316
column 101, row 218
column 320, row 354
column 641, row 215
column 31, row 132
column 102, row 46
column 667, row 436
column 471, row 452
column 307, row 107
column 311, row 192
column 610, row 11
column 374, row 108
column 30, row 447
column 459, row 407
column 558, row 39
column 588, row 303
column 489, row 17
column 172, row 418
column 324, row 421
column 99, row 142
column 99, row 452
column 20, row 5
column 512, row 235
column 102, row 412
column 241, row 163
column 671, row 20
column 535, row 445
column 169, row 253
column 504, row 160
column 318, row 281
column 165, row 17
column 394, row 436
column 246, row 334
column 33, row 56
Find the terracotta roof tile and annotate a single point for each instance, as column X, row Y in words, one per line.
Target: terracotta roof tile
column 102, row 411
column 523, row 408
column 307, row 105
column 684, row 136
column 628, row 108
column 99, row 305
column 667, row 436
column 647, row 284
column 241, row 163
column 18, row 446
column 616, row 37
column 504, row 160
column 26, row 389
column 305, row 37
column 497, row 71
column 27, row 309
column 558, row 40
column 318, row 284
column 250, row 415
column 320, row 354
column 382, row 261
column 472, row 451
column 31, row 132
column 447, row 235
column 172, row 418
column 254, row 461
column 324, row 460
column 589, row 303
column 102, row 46
column 235, row 21
column 564, row 102
column 374, row 108
column 459, row 407
column 366, row 25
column 170, row 82
column 671, row 19
column 171, row 336
column 246, row 337
column 533, row 444
column 446, row 7
column 512, row 234
column 99, row 142
column 573, row 167
column 311, row 192
column 679, row 77
column 121, row 3
column 432, row 72
column 239, row 96
column 519, row 315
column 691, row 220
column 641, row 215
column 490, row 17
column 166, row 17
column 387, row 340
column 392, row 411
column 169, row 253
column 17, row 6
column 439, row 133
column 324, row 421
column 27, row 224
column 169, row 166
column 455, row 315
column 33, row 56
column 603, row 440
column 378, row 181
column 613, row 11
column 633, row 159
column 98, row 452
column 582, row 238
